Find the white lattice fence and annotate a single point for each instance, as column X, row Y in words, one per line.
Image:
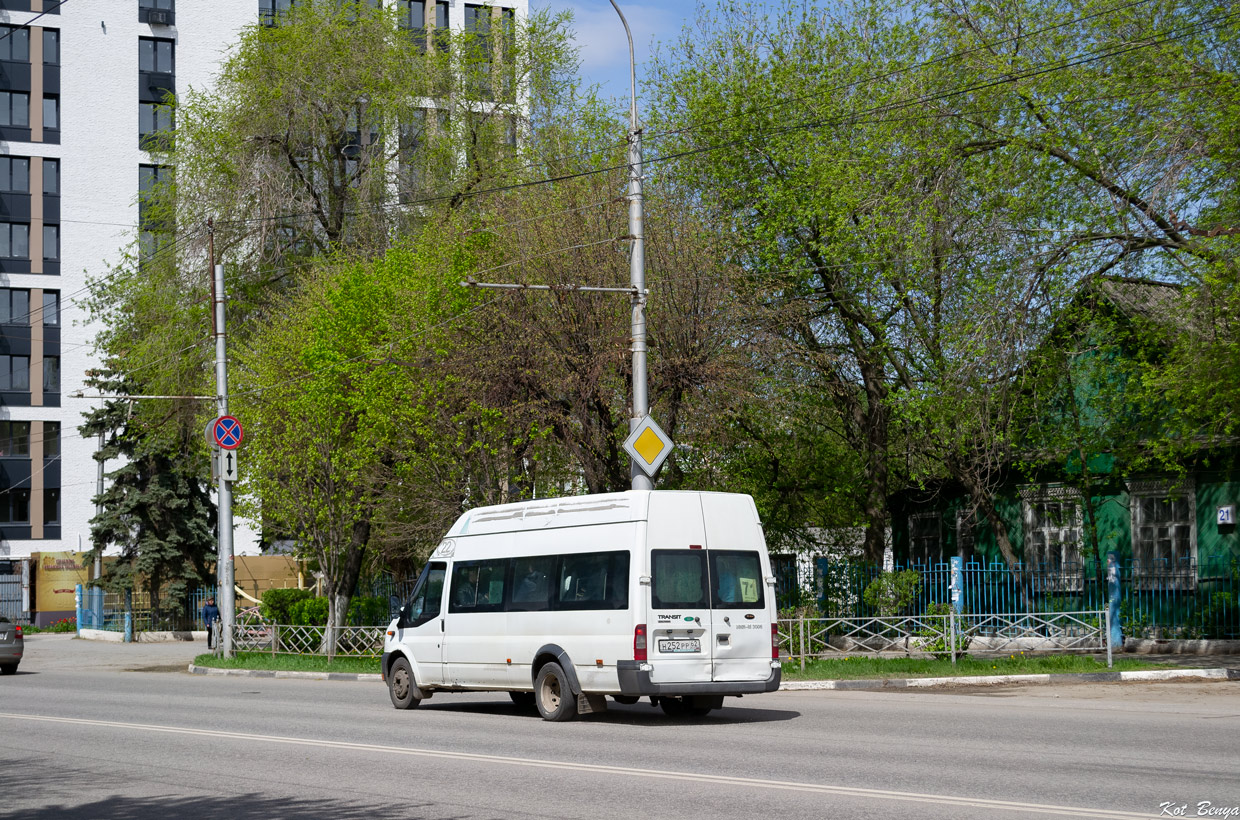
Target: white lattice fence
column 808, row 638
column 282, row 639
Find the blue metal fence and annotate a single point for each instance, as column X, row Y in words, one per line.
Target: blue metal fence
column 1159, row 600
column 106, row 610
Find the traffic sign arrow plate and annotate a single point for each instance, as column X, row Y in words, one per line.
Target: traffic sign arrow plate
column 228, row 465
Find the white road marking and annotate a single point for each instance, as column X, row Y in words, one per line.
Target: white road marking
column 693, row 777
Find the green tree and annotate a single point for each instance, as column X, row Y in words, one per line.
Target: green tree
column 156, row 508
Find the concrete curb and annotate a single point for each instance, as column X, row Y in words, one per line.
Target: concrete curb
column 815, row 685
column 999, row 680
column 269, row 673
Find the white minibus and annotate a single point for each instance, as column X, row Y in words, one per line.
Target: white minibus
column 563, row 602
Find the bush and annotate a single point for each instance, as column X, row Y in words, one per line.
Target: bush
column 368, row 611
column 893, row 592
column 938, row 643
column 309, row 612
column 277, row 605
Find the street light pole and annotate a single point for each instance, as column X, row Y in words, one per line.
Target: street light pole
column 637, row 264
column 224, row 560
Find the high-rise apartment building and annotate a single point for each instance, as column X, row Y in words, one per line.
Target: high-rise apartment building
column 80, row 84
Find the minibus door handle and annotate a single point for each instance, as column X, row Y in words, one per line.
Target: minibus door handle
column 441, row 624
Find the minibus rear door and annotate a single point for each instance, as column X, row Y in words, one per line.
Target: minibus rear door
column 679, row 647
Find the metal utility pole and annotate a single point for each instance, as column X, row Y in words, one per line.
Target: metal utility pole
column 227, row 596
column 637, row 265
column 647, row 445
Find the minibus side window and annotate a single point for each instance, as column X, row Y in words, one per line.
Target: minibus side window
column 531, row 583
column 594, row 580
column 425, row 602
column 478, row 586
column 736, row 580
column 678, row 579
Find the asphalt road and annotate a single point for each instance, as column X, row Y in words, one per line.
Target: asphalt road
column 105, row 731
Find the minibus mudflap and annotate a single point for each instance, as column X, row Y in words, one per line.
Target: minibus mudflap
column 636, row 681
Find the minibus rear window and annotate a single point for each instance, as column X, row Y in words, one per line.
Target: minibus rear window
column 737, row 580
column 678, row 579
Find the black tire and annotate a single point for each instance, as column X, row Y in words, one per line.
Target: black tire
column 627, row 700
column 401, row 685
column 523, row 700
column 8, row 669
column 552, row 694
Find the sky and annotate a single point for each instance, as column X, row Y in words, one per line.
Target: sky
column 600, row 36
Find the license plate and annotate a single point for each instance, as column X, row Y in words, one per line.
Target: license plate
column 680, row 645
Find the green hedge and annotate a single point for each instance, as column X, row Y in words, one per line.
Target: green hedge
column 298, row 607
column 277, row 605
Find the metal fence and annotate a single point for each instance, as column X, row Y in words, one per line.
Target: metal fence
column 11, row 599
column 943, row 636
column 106, row 610
column 1158, row 600
column 281, row 639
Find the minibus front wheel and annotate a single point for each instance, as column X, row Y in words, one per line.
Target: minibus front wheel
column 401, row 686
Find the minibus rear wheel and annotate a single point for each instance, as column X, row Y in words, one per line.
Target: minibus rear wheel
column 553, row 695
column 401, row 686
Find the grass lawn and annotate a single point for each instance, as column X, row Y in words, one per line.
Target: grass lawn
column 858, row 667
column 289, row 663
column 862, row 667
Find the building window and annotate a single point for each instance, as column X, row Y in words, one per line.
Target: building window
column 51, row 46
column 15, row 505
column 15, row 175
column 51, row 308
column 51, row 177
column 51, row 439
column 14, row 438
column 413, row 19
column 15, row 44
column 51, row 113
column 51, row 243
column 14, row 306
column 51, row 374
column 442, row 35
column 925, row 539
column 163, row 9
column 51, row 505
column 155, row 56
column 270, row 11
column 155, row 126
column 14, row 109
column 14, row 240
column 15, row 374
column 1164, row 536
column 966, row 534
column 1053, row 542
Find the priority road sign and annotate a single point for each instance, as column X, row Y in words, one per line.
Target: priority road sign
column 648, row 446
column 227, row 432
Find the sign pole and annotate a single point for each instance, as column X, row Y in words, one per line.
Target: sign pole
column 227, row 595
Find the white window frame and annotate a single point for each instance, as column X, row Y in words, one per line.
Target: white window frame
column 1068, row 573
column 1179, row 572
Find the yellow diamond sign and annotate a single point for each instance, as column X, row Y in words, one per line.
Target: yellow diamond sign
column 648, row 446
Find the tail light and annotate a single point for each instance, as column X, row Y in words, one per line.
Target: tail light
column 774, row 642
column 639, row 642
column 19, row 632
